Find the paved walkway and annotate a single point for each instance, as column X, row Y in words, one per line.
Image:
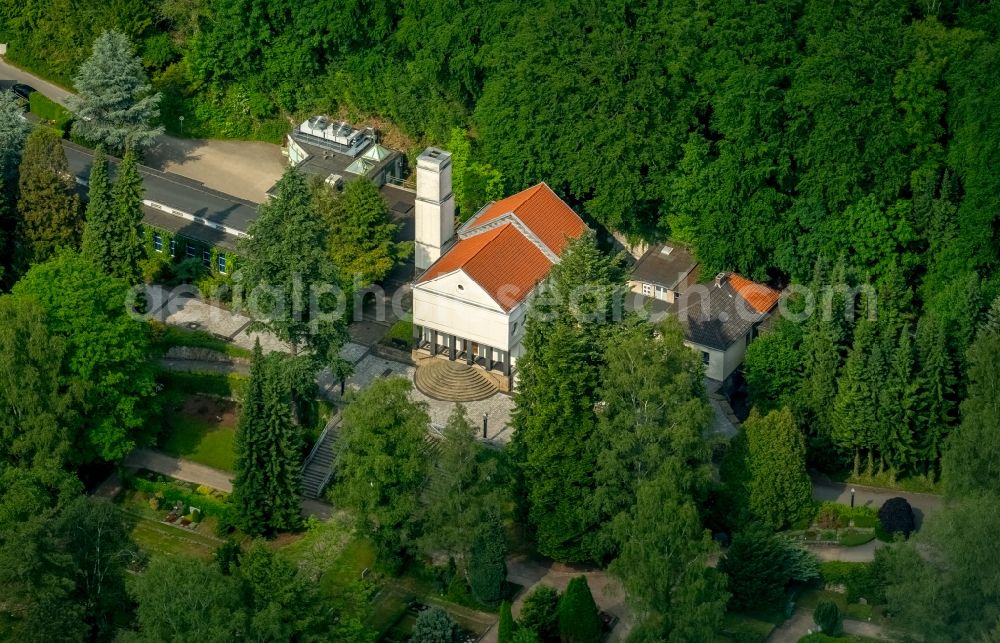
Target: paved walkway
column 244, row 169
column 801, row 624
column 180, row 469
column 874, row 497
column 860, row 554
column 176, row 307
column 188, row 471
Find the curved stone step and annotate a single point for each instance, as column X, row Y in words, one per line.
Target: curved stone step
column 453, row 381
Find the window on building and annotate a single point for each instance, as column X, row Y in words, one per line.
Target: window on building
column 221, row 262
column 206, row 257
column 647, row 290
column 157, row 242
column 189, row 249
column 705, row 358
column 173, row 247
column 513, row 328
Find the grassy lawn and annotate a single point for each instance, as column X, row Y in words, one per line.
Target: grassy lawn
column 749, row 627
column 165, row 337
column 160, row 539
column 202, row 431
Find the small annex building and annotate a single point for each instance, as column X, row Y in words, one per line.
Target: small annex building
column 664, row 272
column 473, row 286
column 720, row 319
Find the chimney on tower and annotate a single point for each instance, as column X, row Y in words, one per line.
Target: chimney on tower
column 435, row 206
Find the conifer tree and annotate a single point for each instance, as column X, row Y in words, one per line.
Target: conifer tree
column 579, row 621
column 487, row 563
column 936, row 377
column 899, row 407
column 114, row 104
column 267, row 486
column 287, row 249
column 778, row 485
column 855, row 409
column 127, row 248
column 48, row 207
column 13, row 133
column 98, row 232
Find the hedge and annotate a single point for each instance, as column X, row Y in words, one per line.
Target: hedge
column 858, row 579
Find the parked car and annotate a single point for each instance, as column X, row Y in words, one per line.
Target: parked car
column 23, row 91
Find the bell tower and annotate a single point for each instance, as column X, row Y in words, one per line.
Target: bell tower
column 435, row 206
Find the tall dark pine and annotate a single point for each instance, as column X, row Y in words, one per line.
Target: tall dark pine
column 266, row 489
column 127, row 247
column 98, row 231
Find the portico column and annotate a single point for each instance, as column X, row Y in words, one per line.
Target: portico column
column 418, row 332
column 489, row 358
column 468, row 351
column 434, row 343
column 451, row 347
column 506, row 363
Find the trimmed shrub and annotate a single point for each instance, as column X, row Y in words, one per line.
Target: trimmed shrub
column 540, row 613
column 525, row 636
column 827, row 616
column 434, row 625
column 505, row 629
column 896, row 516
column 761, row 565
column 579, row 621
column 487, row 565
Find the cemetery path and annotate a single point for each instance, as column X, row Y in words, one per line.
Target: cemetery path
column 922, row 503
column 188, row 471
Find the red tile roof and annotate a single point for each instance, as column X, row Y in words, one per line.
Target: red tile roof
column 542, row 212
column 502, row 261
column 762, row 298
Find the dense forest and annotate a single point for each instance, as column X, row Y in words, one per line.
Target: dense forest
column 765, row 133
column 846, row 151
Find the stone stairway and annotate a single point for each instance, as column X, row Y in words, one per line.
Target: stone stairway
column 318, row 469
column 450, row 381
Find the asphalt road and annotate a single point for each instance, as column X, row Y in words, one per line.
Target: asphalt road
column 244, row 169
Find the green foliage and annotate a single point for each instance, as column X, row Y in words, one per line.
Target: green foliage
column 434, row 625
column 579, row 621
column 33, row 422
column 49, row 110
column 761, row 566
column 554, row 418
column 663, row 561
column 506, row 626
column 105, row 361
column 540, row 613
column 13, row 134
column 860, row 580
column 362, row 237
column 114, row 104
column 464, row 491
column 47, row 205
column 946, row 589
column 778, row 488
column 124, row 227
column 650, row 381
column 970, row 463
column 382, row 464
column 827, row 617
column 488, row 563
column 230, row 385
column 772, row 366
column 267, row 486
column 401, row 332
column 304, row 310
column 99, row 233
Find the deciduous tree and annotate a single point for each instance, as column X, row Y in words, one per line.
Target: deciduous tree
column 105, row 363
column 662, row 564
column 382, row 462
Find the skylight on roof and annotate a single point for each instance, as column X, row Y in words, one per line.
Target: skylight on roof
column 666, row 250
